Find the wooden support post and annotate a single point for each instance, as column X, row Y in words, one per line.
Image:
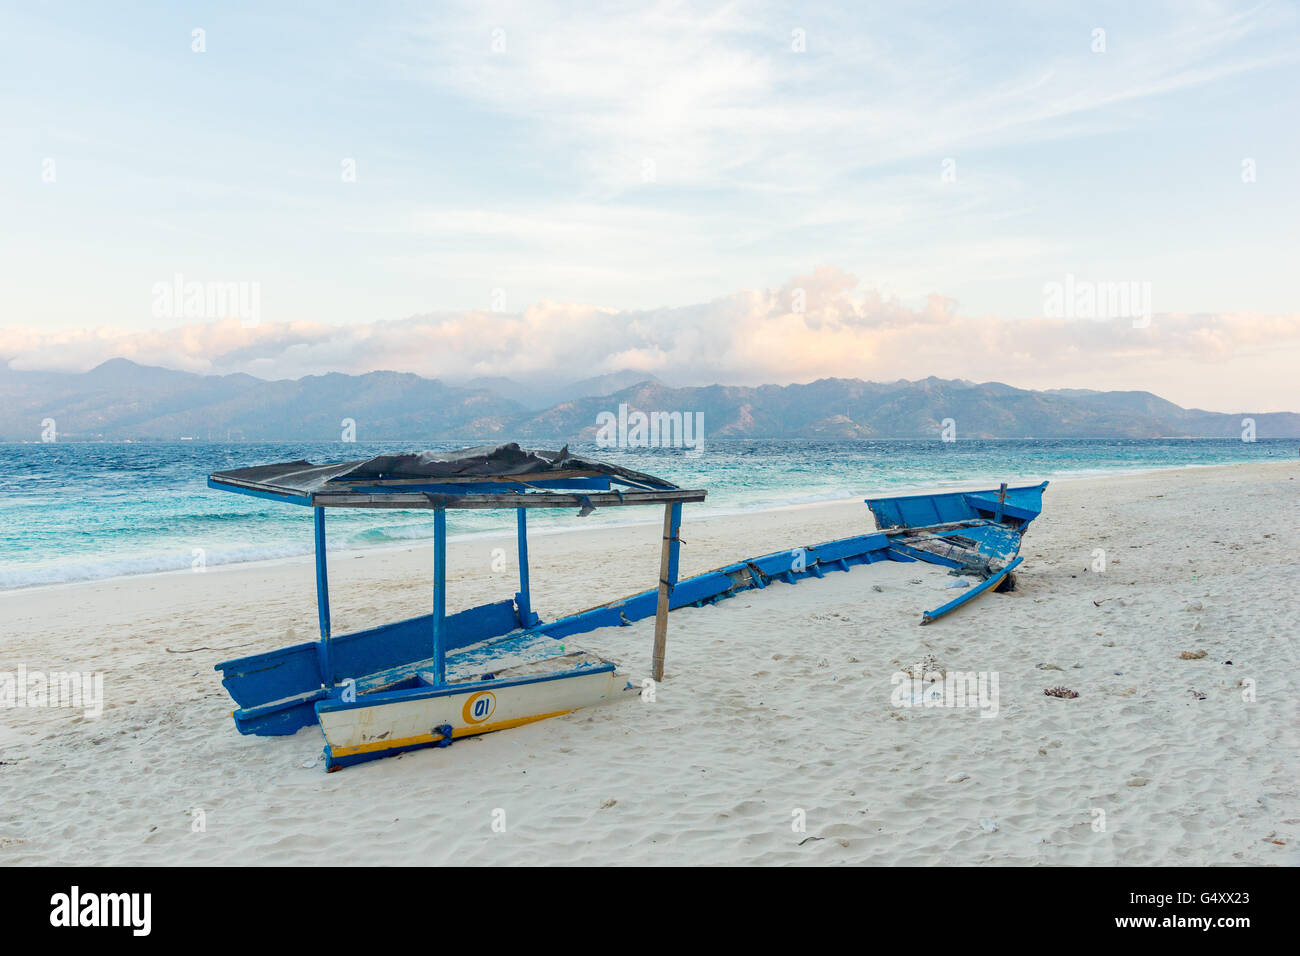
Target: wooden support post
column 668, row 561
column 440, row 595
column 323, row 601
column 523, row 599
column 1002, row 502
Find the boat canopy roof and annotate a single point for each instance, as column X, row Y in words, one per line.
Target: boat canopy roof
column 487, row 476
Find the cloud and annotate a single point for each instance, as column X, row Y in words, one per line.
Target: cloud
column 816, row 325
column 657, row 152
column 756, row 97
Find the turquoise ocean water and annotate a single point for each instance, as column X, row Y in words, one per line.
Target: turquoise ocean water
column 73, row 512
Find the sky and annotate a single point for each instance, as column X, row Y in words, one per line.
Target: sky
column 717, row 192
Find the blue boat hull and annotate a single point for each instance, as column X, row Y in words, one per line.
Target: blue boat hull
column 278, row 691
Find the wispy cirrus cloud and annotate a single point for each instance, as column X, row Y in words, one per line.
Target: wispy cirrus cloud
column 759, row 96
column 695, row 146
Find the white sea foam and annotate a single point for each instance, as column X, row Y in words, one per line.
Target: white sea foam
column 376, row 538
column 20, row 576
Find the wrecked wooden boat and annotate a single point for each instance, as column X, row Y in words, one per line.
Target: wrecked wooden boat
column 432, row 679
column 973, row 533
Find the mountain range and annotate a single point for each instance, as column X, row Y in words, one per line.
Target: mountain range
column 123, row 400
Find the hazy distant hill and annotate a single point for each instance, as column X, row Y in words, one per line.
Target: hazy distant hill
column 537, row 396
column 121, row 399
column 851, row 408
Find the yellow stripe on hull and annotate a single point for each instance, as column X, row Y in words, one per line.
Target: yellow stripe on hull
column 434, row 738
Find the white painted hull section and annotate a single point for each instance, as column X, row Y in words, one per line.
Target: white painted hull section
column 363, row 731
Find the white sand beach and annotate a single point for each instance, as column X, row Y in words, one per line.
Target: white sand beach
column 775, row 702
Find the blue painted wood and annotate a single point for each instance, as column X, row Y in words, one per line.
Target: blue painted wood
column 275, row 675
column 351, row 760
column 993, row 540
column 674, row 542
column 986, row 506
column 440, row 595
column 280, row 718
column 262, row 678
column 698, row 587
column 913, row 511
column 291, row 499
column 524, row 598
column 388, row 645
column 986, row 585
column 846, row 547
column 774, row 564
column 323, row 597
column 634, row 608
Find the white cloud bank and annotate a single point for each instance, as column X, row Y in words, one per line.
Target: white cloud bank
column 1221, row 361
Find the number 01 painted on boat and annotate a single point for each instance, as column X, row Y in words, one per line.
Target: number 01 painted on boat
column 479, row 707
